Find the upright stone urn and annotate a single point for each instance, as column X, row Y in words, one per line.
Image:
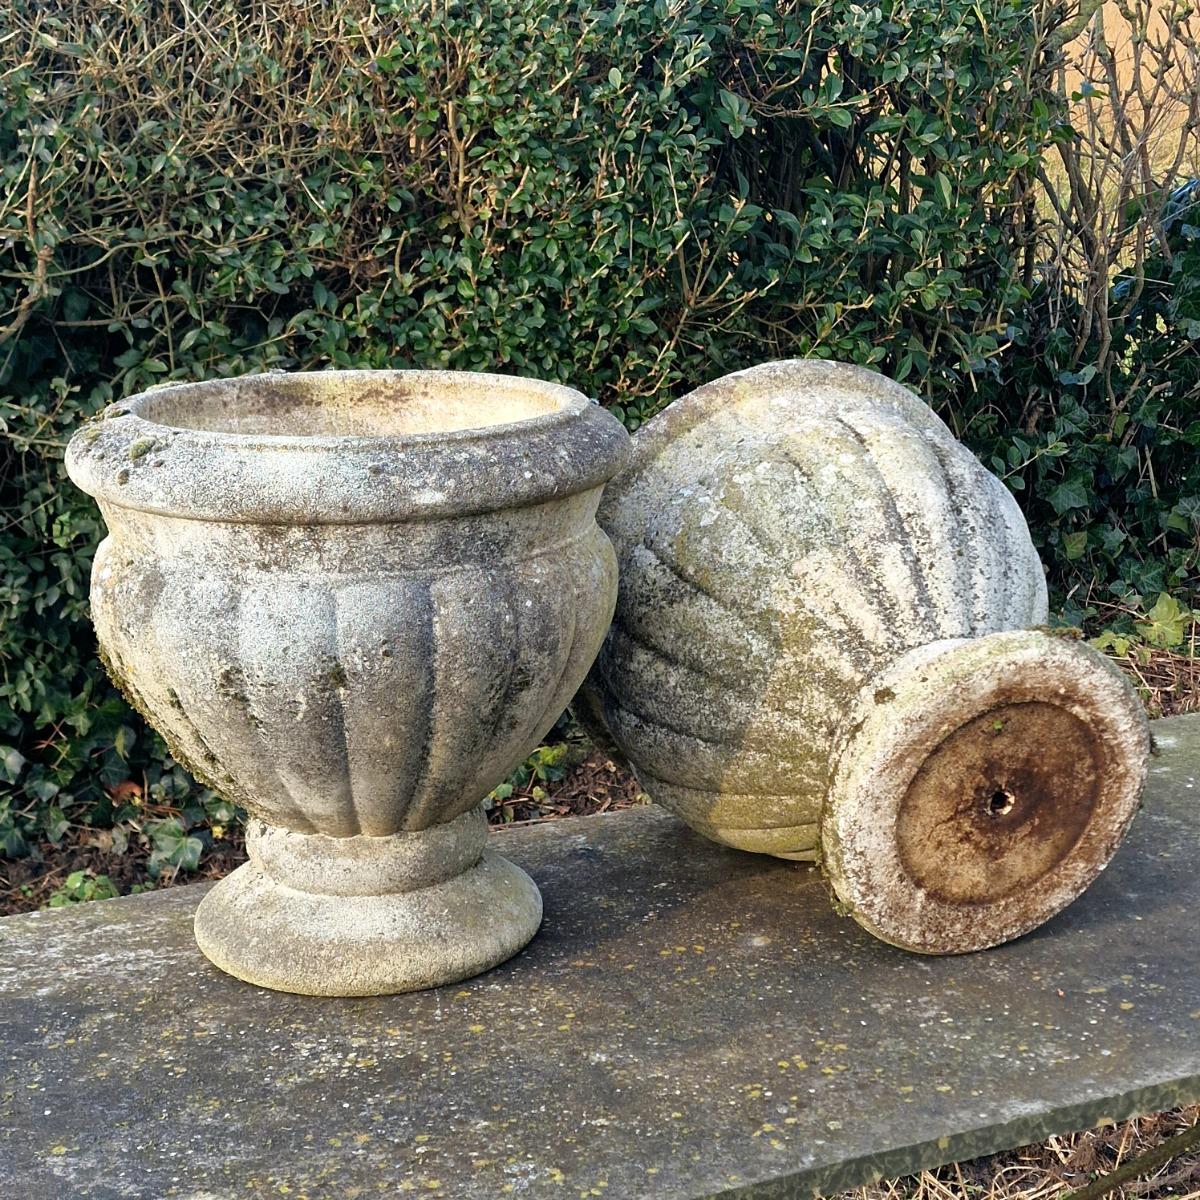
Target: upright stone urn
column 826, row 647
column 353, row 602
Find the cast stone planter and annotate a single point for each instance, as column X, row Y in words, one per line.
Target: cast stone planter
column 824, row 647
column 353, row 602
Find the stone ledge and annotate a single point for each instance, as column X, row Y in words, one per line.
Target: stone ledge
column 690, row 1022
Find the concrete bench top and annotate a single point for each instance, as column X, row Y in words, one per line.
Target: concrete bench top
column 691, row 1021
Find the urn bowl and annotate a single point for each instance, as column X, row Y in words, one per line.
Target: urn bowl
column 830, row 644
column 352, row 602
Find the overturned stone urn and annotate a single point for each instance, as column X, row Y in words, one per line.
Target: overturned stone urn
column 824, row 649
column 353, row 602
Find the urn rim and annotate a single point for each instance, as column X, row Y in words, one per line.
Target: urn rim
column 346, row 447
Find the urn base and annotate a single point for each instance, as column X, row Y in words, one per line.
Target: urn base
column 367, row 916
column 982, row 787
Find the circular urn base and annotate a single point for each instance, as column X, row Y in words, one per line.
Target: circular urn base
column 984, row 787
column 368, row 916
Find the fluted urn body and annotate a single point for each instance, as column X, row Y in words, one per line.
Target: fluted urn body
column 353, row 602
column 824, row 647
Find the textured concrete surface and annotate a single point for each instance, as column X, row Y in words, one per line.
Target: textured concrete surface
column 692, row 1021
column 795, row 541
column 353, row 602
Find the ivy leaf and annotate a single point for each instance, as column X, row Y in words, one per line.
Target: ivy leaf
column 13, row 762
column 1165, row 622
column 1068, row 495
column 1075, row 544
column 123, row 741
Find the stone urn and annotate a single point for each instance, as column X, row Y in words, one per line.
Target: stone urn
column 352, row 602
column 826, row 647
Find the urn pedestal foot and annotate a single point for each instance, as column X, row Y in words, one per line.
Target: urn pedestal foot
column 983, row 785
column 366, row 916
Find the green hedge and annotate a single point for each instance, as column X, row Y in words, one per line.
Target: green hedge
column 633, row 198
column 1106, row 462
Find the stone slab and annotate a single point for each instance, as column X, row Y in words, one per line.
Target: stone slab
column 691, row 1021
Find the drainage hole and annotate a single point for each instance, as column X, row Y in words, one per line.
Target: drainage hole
column 1000, row 803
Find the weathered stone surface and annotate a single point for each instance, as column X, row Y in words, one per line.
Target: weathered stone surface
column 353, row 602
column 985, row 783
column 819, row 588
column 691, row 1022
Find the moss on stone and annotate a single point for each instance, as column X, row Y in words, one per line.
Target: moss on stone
column 138, row 703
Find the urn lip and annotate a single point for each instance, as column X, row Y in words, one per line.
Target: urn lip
column 346, row 447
